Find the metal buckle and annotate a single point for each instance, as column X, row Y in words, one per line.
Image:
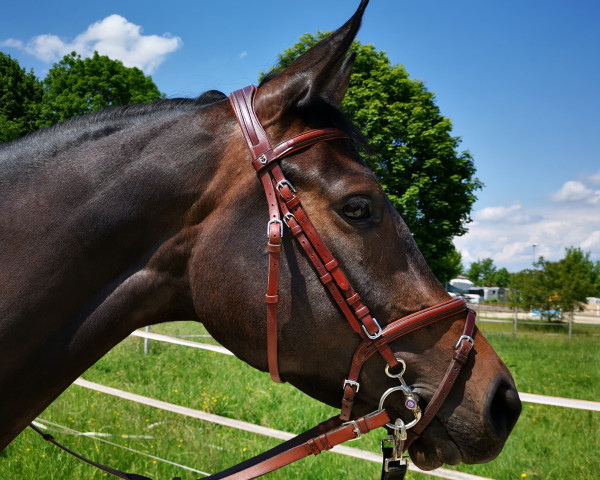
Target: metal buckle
column 356, row 429
column 282, row 183
column 464, row 337
column 376, row 334
column 287, row 217
column 275, row 220
column 352, row 383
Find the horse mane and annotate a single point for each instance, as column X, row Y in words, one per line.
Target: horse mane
column 106, row 121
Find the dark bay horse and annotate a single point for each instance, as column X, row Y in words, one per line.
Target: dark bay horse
column 153, row 213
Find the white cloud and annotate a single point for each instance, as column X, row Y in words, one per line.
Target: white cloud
column 552, row 228
column 593, row 179
column 242, row 55
column 575, row 191
column 496, row 213
column 114, row 37
column 12, row 43
column 513, row 215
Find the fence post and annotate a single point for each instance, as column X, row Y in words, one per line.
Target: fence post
column 516, row 318
column 147, row 342
column 571, row 325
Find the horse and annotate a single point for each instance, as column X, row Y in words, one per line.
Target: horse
column 152, row 213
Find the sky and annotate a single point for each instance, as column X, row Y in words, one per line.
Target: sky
column 518, row 79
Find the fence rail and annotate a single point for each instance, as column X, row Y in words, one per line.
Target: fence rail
column 258, row 429
column 525, row 397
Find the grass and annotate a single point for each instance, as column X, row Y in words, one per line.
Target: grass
column 548, row 442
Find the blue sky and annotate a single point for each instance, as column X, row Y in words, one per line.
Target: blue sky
column 518, row 79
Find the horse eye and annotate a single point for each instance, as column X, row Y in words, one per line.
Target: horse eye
column 357, row 209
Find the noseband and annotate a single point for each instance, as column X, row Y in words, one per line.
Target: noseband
column 286, row 207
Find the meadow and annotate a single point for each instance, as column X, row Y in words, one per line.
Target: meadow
column 547, row 443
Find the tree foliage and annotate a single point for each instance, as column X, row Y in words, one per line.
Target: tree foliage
column 415, row 156
column 20, row 99
column 557, row 287
column 76, row 86
column 485, row 273
column 73, row 87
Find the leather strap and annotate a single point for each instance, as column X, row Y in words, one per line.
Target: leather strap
column 313, row 441
column 260, row 146
column 112, row 471
column 281, row 198
column 463, row 347
column 265, row 162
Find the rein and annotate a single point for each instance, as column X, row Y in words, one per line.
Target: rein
column 286, row 207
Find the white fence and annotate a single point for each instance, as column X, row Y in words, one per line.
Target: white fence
column 525, row 397
column 281, row 435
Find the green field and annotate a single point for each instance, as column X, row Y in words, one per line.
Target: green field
column 548, row 442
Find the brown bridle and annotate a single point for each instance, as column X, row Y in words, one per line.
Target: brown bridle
column 285, row 207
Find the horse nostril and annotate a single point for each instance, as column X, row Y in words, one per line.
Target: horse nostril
column 503, row 407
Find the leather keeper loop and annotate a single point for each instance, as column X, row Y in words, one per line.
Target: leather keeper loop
column 352, row 300
column 272, row 298
column 331, row 265
column 274, row 247
column 460, row 358
column 292, row 202
column 326, row 279
column 361, row 313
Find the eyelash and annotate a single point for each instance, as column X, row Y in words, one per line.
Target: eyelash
column 357, row 209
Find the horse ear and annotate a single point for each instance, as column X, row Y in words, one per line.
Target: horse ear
column 322, row 72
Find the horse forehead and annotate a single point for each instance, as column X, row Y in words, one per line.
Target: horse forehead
column 335, row 164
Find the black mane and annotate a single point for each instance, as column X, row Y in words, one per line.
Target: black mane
column 108, row 120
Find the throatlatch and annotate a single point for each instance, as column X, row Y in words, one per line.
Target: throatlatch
column 286, row 208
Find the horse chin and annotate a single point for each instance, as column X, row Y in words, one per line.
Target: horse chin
column 440, row 445
column 428, row 454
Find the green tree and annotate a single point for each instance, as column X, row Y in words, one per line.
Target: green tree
column 482, row 272
column 414, row 155
column 451, row 265
column 76, row 86
column 485, row 273
column 571, row 280
column 20, row 99
column 501, row 278
column 559, row 287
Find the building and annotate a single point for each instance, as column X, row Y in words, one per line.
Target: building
column 462, row 286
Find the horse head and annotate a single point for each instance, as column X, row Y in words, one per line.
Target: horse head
column 164, row 219
column 375, row 250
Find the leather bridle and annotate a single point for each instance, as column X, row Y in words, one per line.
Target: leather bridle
column 286, row 207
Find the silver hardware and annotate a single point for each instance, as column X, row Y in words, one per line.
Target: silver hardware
column 275, row 220
column 287, row 217
column 262, row 159
column 352, row 383
column 377, row 334
column 464, row 337
column 282, row 183
column 410, row 399
column 397, row 375
column 356, row 429
column 397, row 439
